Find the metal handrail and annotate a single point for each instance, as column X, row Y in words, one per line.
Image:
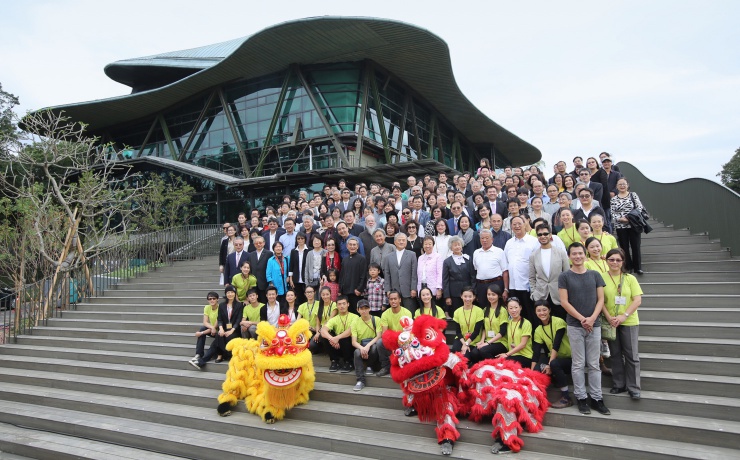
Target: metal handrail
column 21, row 311
column 698, row 204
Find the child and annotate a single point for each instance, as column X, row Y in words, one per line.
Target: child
column 374, row 291
column 332, row 283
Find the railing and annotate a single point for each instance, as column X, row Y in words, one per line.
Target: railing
column 35, row 303
column 700, row 205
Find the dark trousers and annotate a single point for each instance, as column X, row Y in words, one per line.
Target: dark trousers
column 300, row 293
column 456, row 303
column 262, row 295
column 555, row 309
column 345, row 350
column 525, row 362
column 629, row 240
column 487, row 352
column 377, row 313
column 353, row 299
column 360, row 364
column 457, row 347
column 409, row 303
column 200, row 344
column 317, row 346
column 527, row 306
column 559, row 367
column 481, row 292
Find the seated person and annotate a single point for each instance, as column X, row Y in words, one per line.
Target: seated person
column 468, row 324
column 244, row 281
column 366, row 332
column 229, row 317
column 495, row 320
column 251, row 315
column 390, row 319
column 208, row 328
column 551, row 351
column 338, row 332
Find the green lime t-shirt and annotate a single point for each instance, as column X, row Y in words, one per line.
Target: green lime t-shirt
column 309, row 311
column 597, row 265
column 339, row 323
column 392, row 320
column 242, row 285
column 545, row 335
column 630, row 289
column 608, row 242
column 437, row 312
column 492, row 325
column 362, row 329
column 515, row 333
column 467, row 319
column 251, row 313
column 211, row 314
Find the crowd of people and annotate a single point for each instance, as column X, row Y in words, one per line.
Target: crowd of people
column 522, row 266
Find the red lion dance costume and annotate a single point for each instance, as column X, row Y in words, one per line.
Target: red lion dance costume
column 439, row 385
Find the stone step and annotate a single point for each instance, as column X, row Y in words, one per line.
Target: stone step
column 157, row 286
column 709, row 365
column 131, row 308
column 170, row 293
column 676, row 287
column 687, row 257
column 115, row 299
column 677, row 240
column 126, row 346
column 690, row 300
column 694, row 346
column 317, row 416
column 185, row 315
column 138, row 336
column 668, row 232
column 651, row 276
column 722, row 266
column 28, row 443
column 689, row 248
column 688, row 330
column 729, row 315
column 137, row 433
column 150, row 326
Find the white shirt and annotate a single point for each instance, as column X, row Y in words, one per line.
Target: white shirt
column 399, row 256
column 517, row 253
column 273, row 314
column 489, row 263
column 441, row 246
column 545, row 257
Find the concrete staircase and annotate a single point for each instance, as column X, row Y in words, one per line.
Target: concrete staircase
column 111, row 380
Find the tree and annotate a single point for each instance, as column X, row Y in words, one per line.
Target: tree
column 8, row 129
column 70, row 196
column 165, row 203
column 730, row 174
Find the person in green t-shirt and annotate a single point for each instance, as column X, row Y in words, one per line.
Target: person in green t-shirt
column 208, row 328
column 366, row 332
column 244, row 281
column 338, row 332
column 495, row 320
column 468, row 324
column 309, row 310
column 252, row 315
column 519, row 334
column 622, row 298
column 427, row 306
column 551, row 351
column 390, row 319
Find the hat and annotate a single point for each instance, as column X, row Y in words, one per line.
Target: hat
column 229, row 288
column 363, row 304
column 606, row 159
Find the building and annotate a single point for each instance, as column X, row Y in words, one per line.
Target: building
column 295, row 106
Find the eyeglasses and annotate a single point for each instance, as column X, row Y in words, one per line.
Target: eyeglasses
column 225, row 228
column 543, row 234
column 406, row 213
column 614, row 260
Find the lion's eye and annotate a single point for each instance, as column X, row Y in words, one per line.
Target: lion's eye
column 299, row 340
column 430, row 334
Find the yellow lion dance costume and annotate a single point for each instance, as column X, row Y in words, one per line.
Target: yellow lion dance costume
column 273, row 373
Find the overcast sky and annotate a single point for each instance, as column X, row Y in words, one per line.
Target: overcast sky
column 656, row 83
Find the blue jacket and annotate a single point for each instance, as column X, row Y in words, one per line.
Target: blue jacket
column 274, row 275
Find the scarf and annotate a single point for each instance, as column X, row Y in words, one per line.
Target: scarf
column 467, row 236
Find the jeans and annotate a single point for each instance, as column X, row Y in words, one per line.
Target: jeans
column 585, row 351
column 372, row 357
column 200, row 343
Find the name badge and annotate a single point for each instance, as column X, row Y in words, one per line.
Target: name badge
column 620, row 300
column 228, row 325
column 491, row 334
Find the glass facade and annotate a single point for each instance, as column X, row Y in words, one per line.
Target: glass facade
column 304, row 118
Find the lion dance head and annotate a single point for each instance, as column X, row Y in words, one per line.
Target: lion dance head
column 273, row 373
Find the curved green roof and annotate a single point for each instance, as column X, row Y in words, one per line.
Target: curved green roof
column 416, row 56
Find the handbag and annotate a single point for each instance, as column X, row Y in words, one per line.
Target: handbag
column 609, row 332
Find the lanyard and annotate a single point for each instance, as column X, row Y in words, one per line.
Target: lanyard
column 551, row 336
column 467, row 320
column 619, row 287
column 344, row 322
column 513, row 330
column 310, row 309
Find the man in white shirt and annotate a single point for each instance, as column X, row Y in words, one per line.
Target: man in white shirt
column 517, row 252
column 489, row 262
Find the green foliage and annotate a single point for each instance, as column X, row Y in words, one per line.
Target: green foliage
column 730, row 174
column 8, row 128
column 165, row 202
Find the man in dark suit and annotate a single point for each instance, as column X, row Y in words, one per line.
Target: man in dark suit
column 497, row 206
column 273, row 232
column 346, row 202
column 585, row 177
column 258, row 260
column 234, row 260
column 417, row 213
column 457, row 212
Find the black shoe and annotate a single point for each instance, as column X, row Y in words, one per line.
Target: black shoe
column 635, row 395
column 598, row 406
column 334, row 366
column 639, row 272
column 348, row 367
column 383, row 372
column 616, row 391
column 583, row 406
column 409, row 412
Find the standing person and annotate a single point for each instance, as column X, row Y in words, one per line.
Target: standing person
column 413, row 240
column 227, row 247
column 612, row 176
column 310, row 311
column 314, row 263
column 429, row 269
column 442, row 238
column 368, row 242
column 517, row 252
column 569, row 233
column 399, row 272
column 287, row 239
column 391, row 319
column 258, row 261
column 343, row 238
column 551, row 351
column 353, row 277
column 500, row 236
column 582, row 296
column 490, row 266
column 366, row 331
column 381, row 249
column 234, row 260
column 546, row 263
column 427, row 305
column 375, row 290
column 608, row 242
column 623, row 296
column 208, row 328
column 277, row 270
column 471, row 239
column 458, row 272
column 298, row 267
column 629, row 237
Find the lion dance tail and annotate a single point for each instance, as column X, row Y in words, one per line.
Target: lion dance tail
column 241, row 370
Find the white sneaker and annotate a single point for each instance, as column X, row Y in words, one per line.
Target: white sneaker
column 369, row 371
column 196, row 357
column 359, row 386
